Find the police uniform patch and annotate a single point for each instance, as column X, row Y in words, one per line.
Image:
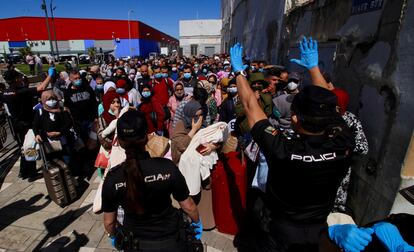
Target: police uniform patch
column 272, row 131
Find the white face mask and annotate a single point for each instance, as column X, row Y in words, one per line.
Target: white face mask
column 51, row 103
column 292, row 86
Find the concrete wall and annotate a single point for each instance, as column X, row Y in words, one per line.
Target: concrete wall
column 104, row 44
column 4, row 47
column 77, row 45
column 204, row 33
column 40, row 45
column 255, row 24
column 366, row 64
column 201, row 27
column 369, row 51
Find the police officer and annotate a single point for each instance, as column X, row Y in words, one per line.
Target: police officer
column 142, row 186
column 305, row 169
column 19, row 101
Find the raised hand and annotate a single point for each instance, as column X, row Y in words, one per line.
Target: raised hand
column 236, row 58
column 308, row 53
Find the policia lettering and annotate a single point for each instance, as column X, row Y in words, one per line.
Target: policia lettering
column 314, row 158
column 148, row 179
column 154, row 178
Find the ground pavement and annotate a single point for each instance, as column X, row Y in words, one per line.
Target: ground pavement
column 29, row 221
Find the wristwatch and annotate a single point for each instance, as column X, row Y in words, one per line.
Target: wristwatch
column 242, row 72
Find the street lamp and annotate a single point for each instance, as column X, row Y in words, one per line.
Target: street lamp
column 54, row 28
column 129, row 33
column 43, row 7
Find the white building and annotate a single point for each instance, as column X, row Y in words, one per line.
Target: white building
column 202, row 36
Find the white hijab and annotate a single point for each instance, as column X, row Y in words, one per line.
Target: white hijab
column 108, row 85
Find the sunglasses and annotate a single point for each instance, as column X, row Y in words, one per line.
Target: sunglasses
column 257, row 88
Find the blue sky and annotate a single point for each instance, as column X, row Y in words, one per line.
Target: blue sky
column 161, row 14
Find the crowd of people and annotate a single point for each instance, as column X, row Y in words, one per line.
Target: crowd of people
column 298, row 141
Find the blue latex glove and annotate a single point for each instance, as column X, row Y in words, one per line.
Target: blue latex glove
column 236, row 58
column 350, row 237
column 113, row 241
column 391, row 238
column 51, row 71
column 198, row 227
column 308, row 54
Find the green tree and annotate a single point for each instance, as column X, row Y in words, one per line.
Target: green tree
column 92, row 53
column 24, row 51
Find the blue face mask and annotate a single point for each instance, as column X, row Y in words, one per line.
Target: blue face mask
column 120, row 90
column 187, row 75
column 261, row 70
column 146, row 94
column 99, row 87
column 232, row 90
column 77, row 83
column 164, row 75
column 158, row 75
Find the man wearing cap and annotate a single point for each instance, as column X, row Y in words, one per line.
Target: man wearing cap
column 258, row 84
column 19, row 103
column 283, row 102
column 306, row 168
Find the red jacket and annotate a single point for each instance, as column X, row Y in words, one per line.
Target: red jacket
column 154, row 114
column 161, row 90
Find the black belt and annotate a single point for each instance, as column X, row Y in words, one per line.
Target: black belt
column 137, row 244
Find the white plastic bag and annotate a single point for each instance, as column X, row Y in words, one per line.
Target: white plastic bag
column 30, row 147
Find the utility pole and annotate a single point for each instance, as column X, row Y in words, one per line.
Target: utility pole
column 54, row 28
column 43, row 7
column 129, row 33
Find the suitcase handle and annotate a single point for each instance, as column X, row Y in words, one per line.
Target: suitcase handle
column 43, row 155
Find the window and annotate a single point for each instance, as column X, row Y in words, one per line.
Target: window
column 194, row 49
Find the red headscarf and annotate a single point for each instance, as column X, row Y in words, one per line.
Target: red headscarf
column 107, row 100
column 121, row 83
column 343, row 99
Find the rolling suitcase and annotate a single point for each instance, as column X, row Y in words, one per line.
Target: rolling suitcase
column 59, row 182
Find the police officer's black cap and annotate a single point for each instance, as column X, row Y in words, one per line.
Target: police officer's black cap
column 132, row 124
column 11, row 75
column 314, row 101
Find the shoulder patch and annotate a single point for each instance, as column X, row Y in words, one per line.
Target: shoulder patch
column 271, row 130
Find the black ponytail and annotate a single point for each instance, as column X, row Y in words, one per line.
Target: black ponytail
column 132, row 128
column 134, row 177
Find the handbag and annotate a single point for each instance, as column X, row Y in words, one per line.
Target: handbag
column 117, row 154
column 102, row 159
column 52, row 145
column 97, row 201
column 157, row 146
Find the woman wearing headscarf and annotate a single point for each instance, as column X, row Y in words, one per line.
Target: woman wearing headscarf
column 211, row 103
column 153, row 111
column 61, row 84
column 213, row 79
column 185, row 129
column 175, row 100
column 107, row 124
column 52, row 124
